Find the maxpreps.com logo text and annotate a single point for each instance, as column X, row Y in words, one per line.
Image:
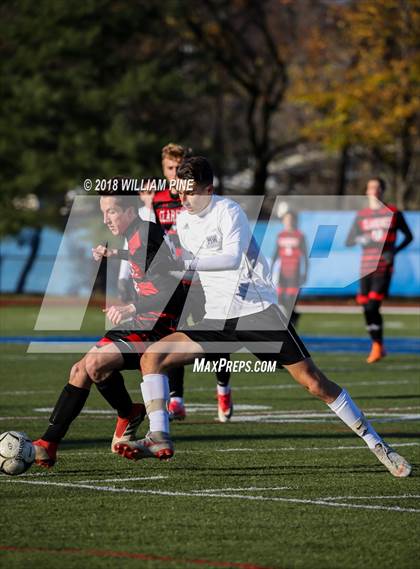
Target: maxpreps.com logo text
column 204, row 365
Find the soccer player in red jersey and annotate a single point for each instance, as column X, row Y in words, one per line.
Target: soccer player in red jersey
column 167, row 206
column 291, row 250
column 375, row 229
column 153, row 314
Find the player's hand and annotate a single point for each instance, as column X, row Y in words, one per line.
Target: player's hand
column 102, row 251
column 118, row 314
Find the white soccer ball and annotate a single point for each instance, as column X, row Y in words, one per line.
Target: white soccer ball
column 17, row 453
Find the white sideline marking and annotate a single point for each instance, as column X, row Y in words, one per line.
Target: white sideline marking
column 403, row 497
column 28, row 392
column 131, row 479
column 296, row 386
column 278, row 449
column 246, row 489
column 201, row 493
column 191, row 408
column 281, row 449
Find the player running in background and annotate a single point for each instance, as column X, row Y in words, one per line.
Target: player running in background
column 153, row 314
column 291, row 252
column 241, row 308
column 375, row 229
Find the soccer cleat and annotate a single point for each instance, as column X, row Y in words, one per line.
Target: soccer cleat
column 224, row 407
column 377, row 352
column 394, row 462
column 126, row 428
column 176, row 410
column 154, row 445
column 45, row 453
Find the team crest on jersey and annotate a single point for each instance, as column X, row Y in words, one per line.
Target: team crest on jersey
column 212, row 241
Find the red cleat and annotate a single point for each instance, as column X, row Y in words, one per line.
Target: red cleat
column 176, row 410
column 126, row 428
column 224, row 407
column 154, row 445
column 45, row 453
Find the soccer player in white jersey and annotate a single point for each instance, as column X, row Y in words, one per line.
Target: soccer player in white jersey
column 241, row 310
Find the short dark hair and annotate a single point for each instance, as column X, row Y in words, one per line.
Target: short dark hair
column 381, row 182
column 123, row 198
column 196, row 168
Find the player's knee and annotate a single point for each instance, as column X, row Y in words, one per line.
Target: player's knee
column 77, row 370
column 94, row 368
column 151, row 362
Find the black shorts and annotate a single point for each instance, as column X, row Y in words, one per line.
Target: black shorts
column 133, row 343
column 374, row 286
column 266, row 334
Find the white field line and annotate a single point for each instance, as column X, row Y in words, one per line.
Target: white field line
column 262, row 387
column 296, row 386
column 134, row 479
column 401, row 497
column 65, row 453
column 319, row 449
column 277, row 417
column 205, row 494
column 317, row 419
column 245, row 489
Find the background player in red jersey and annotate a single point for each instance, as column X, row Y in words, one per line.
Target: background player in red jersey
column 167, row 206
column 375, row 229
column 164, row 207
column 292, row 253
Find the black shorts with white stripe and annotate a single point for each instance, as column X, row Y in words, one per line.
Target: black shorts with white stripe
column 266, row 334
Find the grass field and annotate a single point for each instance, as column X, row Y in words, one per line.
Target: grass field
column 284, row 485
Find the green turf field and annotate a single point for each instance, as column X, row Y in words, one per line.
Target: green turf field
column 283, row 486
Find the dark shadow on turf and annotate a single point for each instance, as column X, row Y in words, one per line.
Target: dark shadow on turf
column 99, row 441
column 362, row 397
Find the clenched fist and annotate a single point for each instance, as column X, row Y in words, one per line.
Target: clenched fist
column 101, row 251
column 118, row 314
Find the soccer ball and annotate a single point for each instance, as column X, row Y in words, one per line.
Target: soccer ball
column 17, row 453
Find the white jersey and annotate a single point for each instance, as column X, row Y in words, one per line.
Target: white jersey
column 222, row 230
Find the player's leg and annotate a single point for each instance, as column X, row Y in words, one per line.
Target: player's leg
column 223, row 389
column 127, row 345
column 172, row 351
column 378, row 291
column 176, row 406
column 296, row 359
column 339, row 401
column 99, row 364
column 68, row 406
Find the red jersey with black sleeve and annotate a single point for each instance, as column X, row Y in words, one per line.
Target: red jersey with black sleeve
column 291, row 250
column 376, row 231
column 150, row 261
column 166, row 209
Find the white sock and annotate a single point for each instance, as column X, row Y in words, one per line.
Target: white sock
column 223, row 389
column 178, row 400
column 155, row 391
column 345, row 408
